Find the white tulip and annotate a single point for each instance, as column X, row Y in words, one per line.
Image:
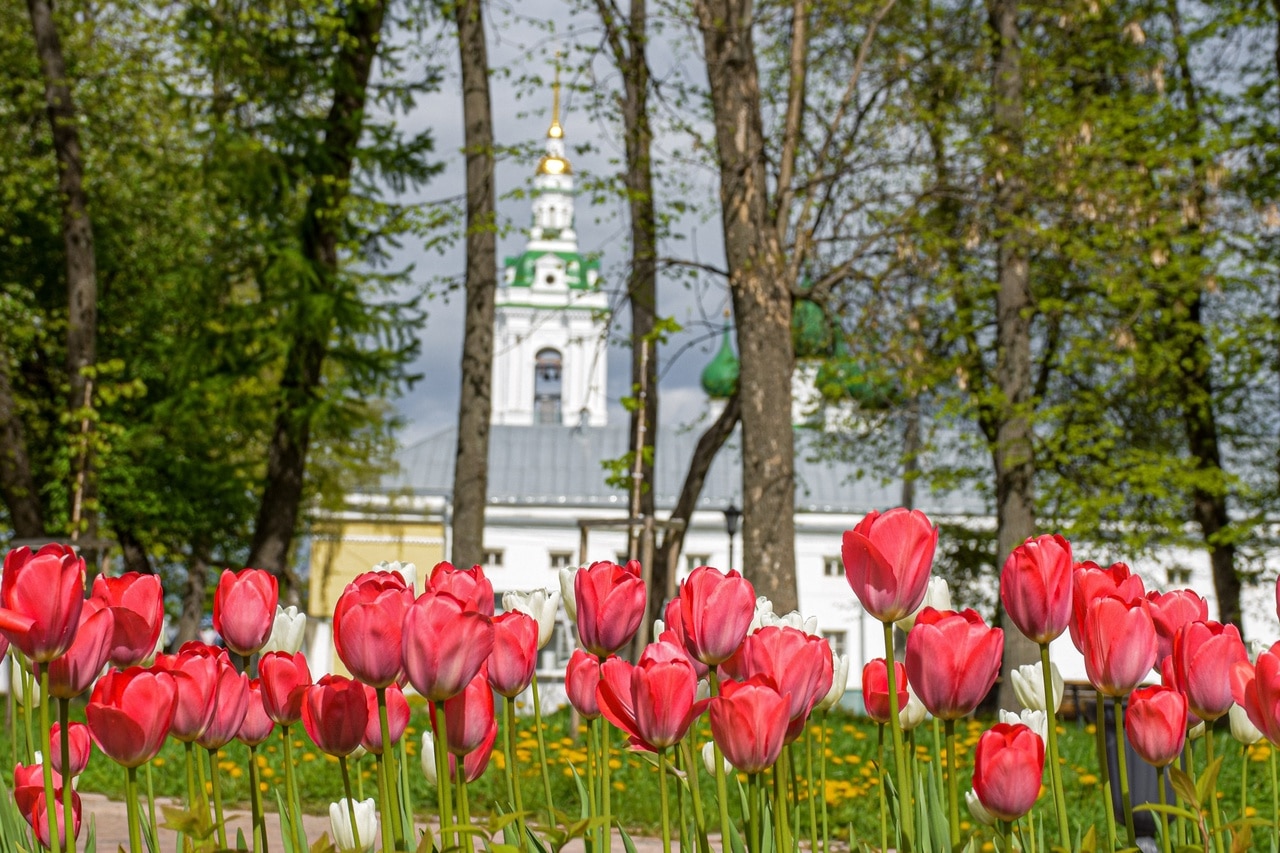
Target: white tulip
column 1032, row 719
column 408, row 571
column 914, row 713
column 790, row 620
column 568, row 593
column 937, row 595
column 839, row 682
column 763, row 606
column 1242, row 728
column 702, row 690
column 542, row 604
column 709, row 759
column 1256, row 647
column 429, row 757
column 1028, row 686
column 658, row 627
column 19, row 682
column 1196, row 732
column 978, row 810
column 366, row 825
column 287, row 631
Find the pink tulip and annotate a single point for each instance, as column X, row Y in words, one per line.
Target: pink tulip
column 244, row 609
column 445, row 644
column 39, row 818
column 1089, row 582
column 477, row 760
column 953, row 660
column 1156, row 724
column 798, row 663
column 195, row 672
column 469, row 716
column 1119, row 644
column 1035, row 587
column 673, row 632
column 285, row 679
column 468, row 585
column 875, row 689
column 515, row 653
column 367, row 624
column 1256, row 688
column 335, row 714
column 1204, row 656
column 130, row 712
column 79, row 744
column 74, row 672
column 887, row 560
column 581, row 678
column 40, row 600
column 610, row 602
column 137, row 603
column 28, row 784
column 1170, row 611
column 257, row 725
column 654, row 702
column 715, row 613
column 397, row 718
column 1007, row 768
column 230, row 705
column 749, row 721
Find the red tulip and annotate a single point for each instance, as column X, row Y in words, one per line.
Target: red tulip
column 79, row 745
column 1035, row 587
column 798, row 663
column 581, row 678
column 257, row 724
column 244, row 609
column 1256, row 688
column 230, row 705
column 1204, row 655
column 610, row 600
column 673, row 632
column 875, row 689
column 654, row 702
column 1007, row 768
column 285, row 679
column 335, row 714
column 515, row 652
column 952, row 661
column 137, row 602
column 749, row 721
column 397, row 718
column 469, row 716
column 1119, row 644
column 1170, row 611
column 468, row 585
column 445, row 644
column 715, row 613
column 28, row 783
column 475, row 761
column 130, row 712
column 367, row 624
column 1169, row 678
column 74, row 672
column 1089, row 582
column 39, row 818
column 40, row 600
column 195, row 672
column 1156, row 724
column 887, row 560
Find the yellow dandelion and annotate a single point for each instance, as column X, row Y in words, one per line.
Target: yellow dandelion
column 158, row 762
column 262, row 761
column 263, row 787
column 615, row 764
column 271, row 749
column 236, row 772
column 308, row 756
column 620, row 786
column 267, row 773
column 332, row 759
column 1088, row 779
column 222, row 753
column 298, row 744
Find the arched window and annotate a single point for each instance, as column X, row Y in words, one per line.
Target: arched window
column 546, row 387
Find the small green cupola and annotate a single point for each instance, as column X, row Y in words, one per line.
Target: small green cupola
column 841, row 378
column 720, row 376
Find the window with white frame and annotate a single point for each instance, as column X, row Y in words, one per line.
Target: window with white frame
column 833, row 567
column 492, row 558
column 561, row 559
column 692, row 561
column 837, row 640
column 1178, row 575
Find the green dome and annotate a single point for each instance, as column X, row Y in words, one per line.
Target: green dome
column 842, row 378
column 812, row 334
column 720, row 376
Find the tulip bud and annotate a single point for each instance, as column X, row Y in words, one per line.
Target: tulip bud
column 21, row 685
column 790, row 620
column 702, row 690
column 541, row 604
column 914, row 712
column 408, row 571
column 287, row 631
column 936, row 595
column 366, row 825
column 839, row 682
column 709, row 759
column 429, row 757
column 978, row 810
column 1032, row 719
column 1028, row 686
column 1242, row 729
column 659, row 627
column 567, row 592
column 1196, row 732
column 763, row 606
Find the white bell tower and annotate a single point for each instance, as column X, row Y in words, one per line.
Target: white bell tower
column 550, row 345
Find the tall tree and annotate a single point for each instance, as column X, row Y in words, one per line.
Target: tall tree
column 471, row 466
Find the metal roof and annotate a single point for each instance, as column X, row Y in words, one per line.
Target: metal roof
column 562, row 466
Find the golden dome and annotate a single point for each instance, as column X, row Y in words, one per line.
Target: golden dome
column 553, row 165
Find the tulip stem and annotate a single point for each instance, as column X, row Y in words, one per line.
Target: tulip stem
column 28, row 695
column 1006, row 844
column 662, row 793
column 899, row 760
column 215, row 777
column 754, row 841
column 1122, row 767
column 884, row 807
column 513, row 779
column 605, row 794
column 444, row 793
column 953, row 783
column 1214, row 813
column 12, row 703
column 1055, row 771
column 695, row 794
column 255, row 803
column 542, row 752
column 131, row 809
column 1244, row 781
column 822, row 772
column 404, row 795
column 64, row 746
column 464, row 801
column 809, row 789
column 1165, row 842
column 390, row 813
column 47, row 765
column 351, row 802
column 722, row 788
column 151, row 802
column 682, row 817
column 1275, row 788
column 779, row 819
column 593, row 773
column 1104, row 766
column 291, row 789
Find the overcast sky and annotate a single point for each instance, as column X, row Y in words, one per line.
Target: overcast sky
column 519, row 48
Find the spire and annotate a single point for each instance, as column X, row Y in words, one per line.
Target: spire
column 555, row 131
column 554, row 162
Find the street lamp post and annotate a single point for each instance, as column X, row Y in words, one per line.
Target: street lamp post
column 731, row 517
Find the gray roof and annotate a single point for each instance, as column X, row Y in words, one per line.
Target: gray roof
column 562, row 466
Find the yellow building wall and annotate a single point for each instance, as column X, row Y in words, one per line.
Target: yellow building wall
column 342, row 550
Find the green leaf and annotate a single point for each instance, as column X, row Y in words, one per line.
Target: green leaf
column 1167, row 809
column 1206, row 785
column 1185, row 788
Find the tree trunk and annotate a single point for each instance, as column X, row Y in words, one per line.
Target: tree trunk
column 1012, row 453
column 471, row 466
column 17, row 483
column 135, row 553
column 301, row 379
column 761, row 301
column 193, row 598
column 77, row 238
